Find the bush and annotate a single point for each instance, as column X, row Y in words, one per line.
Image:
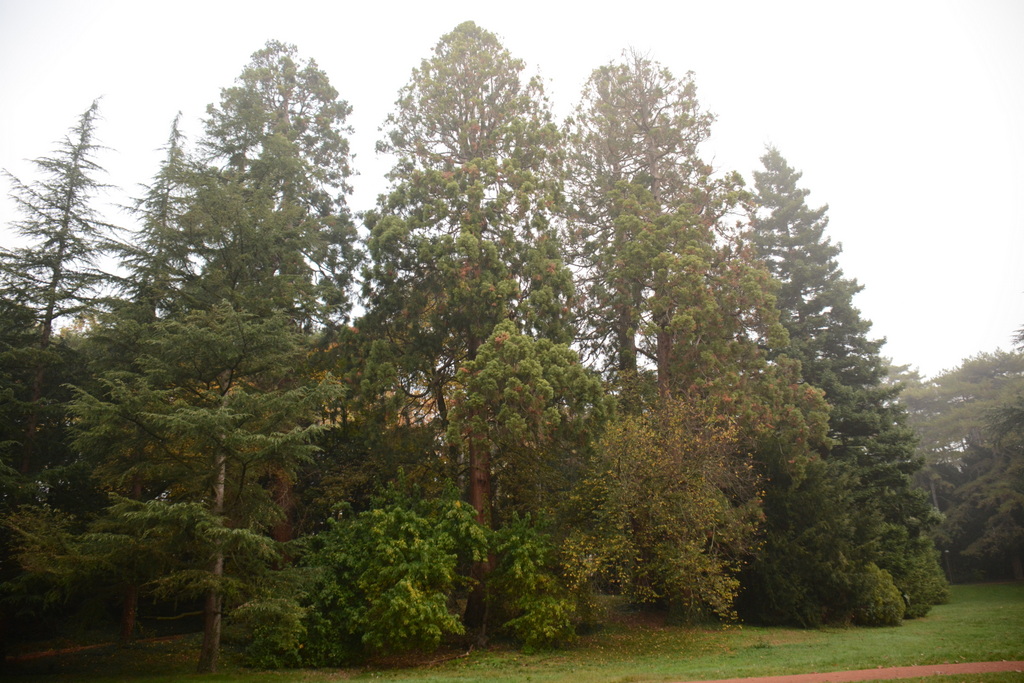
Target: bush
column 880, row 602
column 915, row 569
column 276, row 632
column 540, row 612
column 386, row 577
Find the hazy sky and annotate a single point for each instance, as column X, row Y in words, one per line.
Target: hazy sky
column 907, row 118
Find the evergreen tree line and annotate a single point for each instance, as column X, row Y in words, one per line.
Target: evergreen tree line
column 971, row 422
column 557, row 361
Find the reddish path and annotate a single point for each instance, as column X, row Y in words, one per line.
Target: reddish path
column 881, row 674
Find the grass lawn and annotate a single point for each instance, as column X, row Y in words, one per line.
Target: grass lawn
column 981, row 623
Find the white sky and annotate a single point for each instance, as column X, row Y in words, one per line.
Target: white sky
column 907, row 118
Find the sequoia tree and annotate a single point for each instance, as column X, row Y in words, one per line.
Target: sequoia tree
column 646, row 222
column 674, row 294
column 463, row 240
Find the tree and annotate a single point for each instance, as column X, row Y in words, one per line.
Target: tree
column 212, row 406
column 667, row 509
column 870, row 448
column 676, row 294
column 646, row 219
column 474, row 185
column 463, row 241
column 157, row 257
column 261, row 220
column 969, row 420
column 55, row 275
column 242, row 254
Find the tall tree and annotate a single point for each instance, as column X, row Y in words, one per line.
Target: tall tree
column 871, row 448
column 463, row 241
column 646, row 213
column 55, row 275
column 156, row 259
column 242, row 254
column 674, row 295
column 212, row 404
column 261, row 220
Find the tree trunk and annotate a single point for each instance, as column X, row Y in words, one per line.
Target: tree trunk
column 214, row 600
column 211, row 623
column 32, row 424
column 284, row 498
column 664, row 357
column 39, row 377
column 129, row 610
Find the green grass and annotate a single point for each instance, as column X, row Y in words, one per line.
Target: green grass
column 982, row 623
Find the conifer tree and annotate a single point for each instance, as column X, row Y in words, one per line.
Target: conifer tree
column 243, row 253
column 55, row 275
column 971, row 423
column 675, row 296
column 646, row 213
column 871, row 453
column 463, row 241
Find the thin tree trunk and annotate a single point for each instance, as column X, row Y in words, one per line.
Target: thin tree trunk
column 130, row 605
column 284, row 498
column 664, row 357
column 214, row 600
column 39, row 377
column 32, row 424
column 129, row 610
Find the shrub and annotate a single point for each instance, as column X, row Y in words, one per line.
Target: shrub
column 540, row 612
column 276, row 632
column 386, row 577
column 914, row 565
column 880, row 602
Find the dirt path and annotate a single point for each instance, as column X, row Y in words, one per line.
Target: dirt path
column 881, row 674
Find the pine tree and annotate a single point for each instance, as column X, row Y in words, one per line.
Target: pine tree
column 55, row 275
column 206, row 398
column 208, row 413
column 871, row 448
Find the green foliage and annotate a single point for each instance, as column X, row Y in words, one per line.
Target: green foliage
column 277, row 630
column 863, row 490
column 646, row 221
column 464, row 239
column 668, row 510
column 529, row 408
column 528, row 586
column 51, row 281
column 880, row 602
column 56, row 274
column 972, row 439
column 387, row 576
column 916, row 571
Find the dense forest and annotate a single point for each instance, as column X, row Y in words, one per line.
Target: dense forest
column 556, row 360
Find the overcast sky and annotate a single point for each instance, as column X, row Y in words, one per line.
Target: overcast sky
column 907, row 118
